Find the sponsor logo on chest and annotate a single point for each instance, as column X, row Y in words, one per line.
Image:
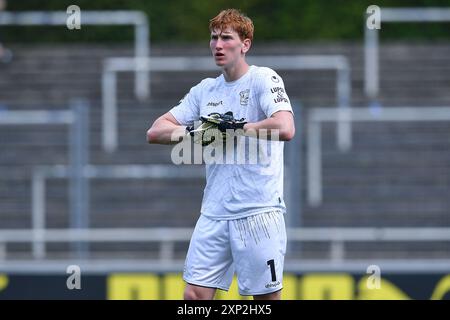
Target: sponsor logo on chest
column 214, row 104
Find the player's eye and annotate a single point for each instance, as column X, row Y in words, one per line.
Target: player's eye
column 214, row 37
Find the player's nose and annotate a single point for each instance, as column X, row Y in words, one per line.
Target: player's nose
column 219, row 44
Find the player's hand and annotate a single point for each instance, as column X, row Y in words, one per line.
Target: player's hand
column 229, row 123
column 214, row 127
column 224, row 121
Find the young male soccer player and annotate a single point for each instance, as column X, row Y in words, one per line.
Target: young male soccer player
column 241, row 227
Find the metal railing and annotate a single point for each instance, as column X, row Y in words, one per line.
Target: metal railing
column 77, row 119
column 317, row 116
column 138, row 19
column 167, row 237
column 371, row 40
column 299, row 62
column 42, row 173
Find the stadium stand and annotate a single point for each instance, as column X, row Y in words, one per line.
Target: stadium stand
column 396, row 174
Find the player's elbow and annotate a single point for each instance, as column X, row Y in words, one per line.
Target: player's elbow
column 287, row 134
column 284, row 121
column 152, row 135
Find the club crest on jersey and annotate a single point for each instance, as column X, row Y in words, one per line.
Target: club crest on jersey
column 244, row 97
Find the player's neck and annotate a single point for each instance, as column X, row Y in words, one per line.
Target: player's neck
column 236, row 71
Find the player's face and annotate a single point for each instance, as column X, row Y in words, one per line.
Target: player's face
column 226, row 47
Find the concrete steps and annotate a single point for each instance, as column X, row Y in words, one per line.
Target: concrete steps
column 396, row 174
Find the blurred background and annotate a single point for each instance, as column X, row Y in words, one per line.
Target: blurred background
column 367, row 175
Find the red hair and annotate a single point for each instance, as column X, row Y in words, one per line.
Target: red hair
column 235, row 20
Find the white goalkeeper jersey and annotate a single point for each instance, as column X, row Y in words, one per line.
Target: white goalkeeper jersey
column 240, row 189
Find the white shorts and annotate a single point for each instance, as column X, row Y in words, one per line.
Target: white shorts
column 254, row 247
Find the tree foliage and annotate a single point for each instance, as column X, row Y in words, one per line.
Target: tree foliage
column 187, row 21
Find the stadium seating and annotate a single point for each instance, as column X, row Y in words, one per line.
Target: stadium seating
column 395, row 175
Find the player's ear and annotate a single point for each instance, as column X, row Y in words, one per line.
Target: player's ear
column 246, row 44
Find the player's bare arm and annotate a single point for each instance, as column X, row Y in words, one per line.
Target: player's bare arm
column 282, row 121
column 166, row 130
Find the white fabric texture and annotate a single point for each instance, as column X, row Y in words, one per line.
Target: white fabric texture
column 253, row 246
column 237, row 190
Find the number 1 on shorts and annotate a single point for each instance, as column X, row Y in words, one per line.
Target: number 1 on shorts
column 271, row 263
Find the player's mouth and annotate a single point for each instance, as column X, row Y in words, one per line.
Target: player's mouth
column 219, row 55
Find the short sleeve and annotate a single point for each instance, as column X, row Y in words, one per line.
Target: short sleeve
column 188, row 109
column 272, row 94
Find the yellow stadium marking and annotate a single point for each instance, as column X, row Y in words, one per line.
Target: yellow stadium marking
column 386, row 291
column 133, row 287
column 442, row 288
column 173, row 285
column 289, row 291
column 3, row 281
column 327, row 287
